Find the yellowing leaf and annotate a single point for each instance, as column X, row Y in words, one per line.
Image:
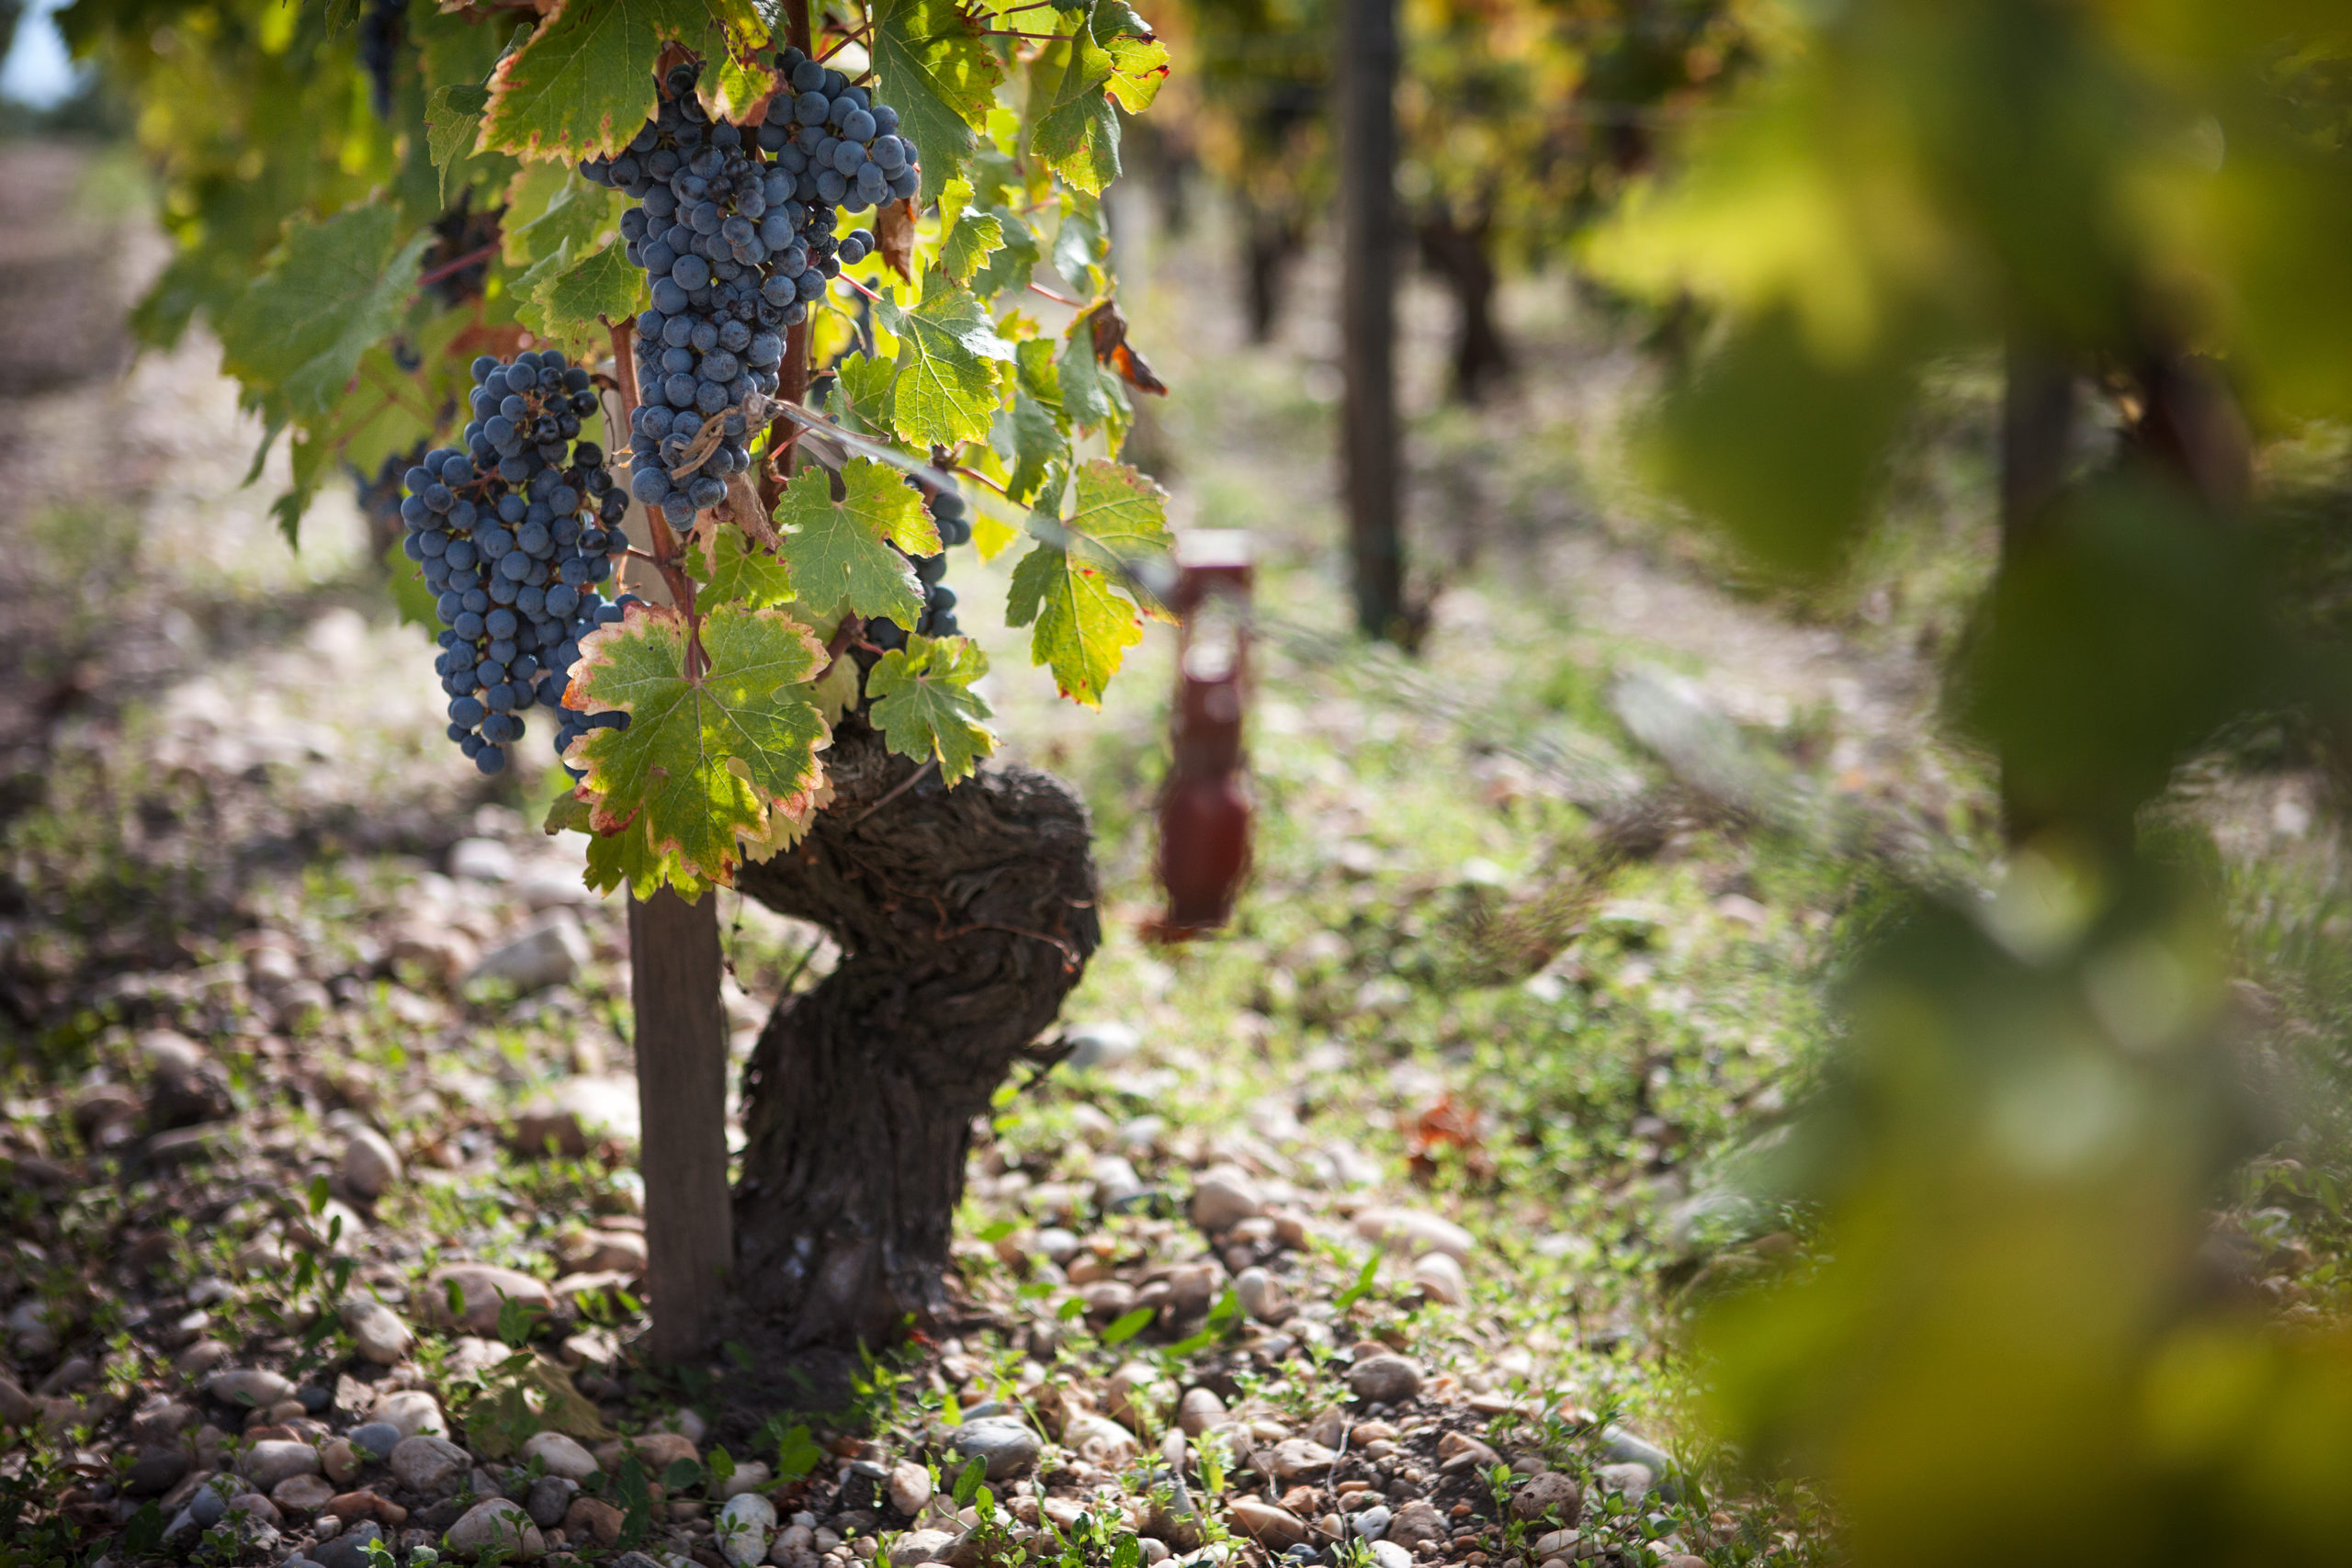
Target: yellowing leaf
column 925, row 707
column 946, row 388
column 736, row 572
column 839, row 551
column 1084, row 625
column 974, row 238
column 706, row 757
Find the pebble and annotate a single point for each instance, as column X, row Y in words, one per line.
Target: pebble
column 551, row 953
column 159, row 1420
column 377, row 1437
column 1385, row 1379
column 377, row 1332
column 370, row 1164
column 482, row 1287
column 1264, row 1523
column 910, row 1487
column 268, row 1463
column 1551, row 1494
column 1259, row 1295
column 353, row 1506
column 1294, row 1457
column 1224, row 1197
column 497, row 1523
column 430, row 1465
column 1635, row 1480
column 593, row 1518
column 1004, row 1444
column 410, row 1411
column 1108, row 1044
column 657, row 1451
column 1388, row 1555
column 200, row 1358
column 156, row 1470
column 1625, row 1448
column 558, row 1455
column 253, row 1387
column 1558, row 1543
column 1372, row 1523
column 1099, row 1440
column 1199, row 1410
column 752, row 1475
column 481, row 859
column 302, row 1493
column 1458, row 1450
column 1416, row 1524
column 550, row 1499
column 921, row 1546
column 743, row 1528
column 1440, row 1277
column 17, row 1407
column 339, row 1460
column 350, row 1547
column 1411, row 1231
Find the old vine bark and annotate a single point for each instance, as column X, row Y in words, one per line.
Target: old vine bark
column 964, row 916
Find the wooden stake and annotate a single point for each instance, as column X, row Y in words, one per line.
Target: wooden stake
column 682, row 1100
column 1368, row 51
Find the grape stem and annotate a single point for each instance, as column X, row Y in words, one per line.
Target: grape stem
column 983, row 478
column 1014, row 32
column 1058, row 299
column 450, row 268
column 860, row 288
column 847, row 39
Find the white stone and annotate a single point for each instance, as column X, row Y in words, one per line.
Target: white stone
column 1224, row 1197
column 1107, row 1043
column 910, row 1487
column 376, row 1331
column 268, row 1463
column 550, row 952
column 1413, row 1232
column 743, row 1528
column 1099, row 1440
column 497, row 1523
column 558, row 1455
column 1440, row 1276
column 430, row 1465
column 481, row 859
column 252, row 1387
column 411, row 1412
column 371, row 1164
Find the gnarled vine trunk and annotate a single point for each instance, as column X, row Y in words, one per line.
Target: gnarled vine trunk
column 965, row 917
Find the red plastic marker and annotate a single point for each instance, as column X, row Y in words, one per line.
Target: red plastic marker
column 1205, row 807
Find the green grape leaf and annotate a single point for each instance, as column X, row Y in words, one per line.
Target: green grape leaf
column 1138, row 59
column 1075, row 589
column 1009, row 267
column 341, row 15
column 574, row 214
column 736, row 572
column 573, row 304
column 838, row 689
column 338, row 288
column 584, row 83
column 1119, row 517
column 840, row 550
column 1076, row 127
column 1081, row 245
column 975, row 237
column 925, row 707
column 1037, row 441
column 705, row 758
column 1084, row 625
column 865, row 382
column 452, row 125
column 946, row 388
column 936, row 68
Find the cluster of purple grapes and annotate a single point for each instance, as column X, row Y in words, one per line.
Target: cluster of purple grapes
column 516, row 531
column 737, row 247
